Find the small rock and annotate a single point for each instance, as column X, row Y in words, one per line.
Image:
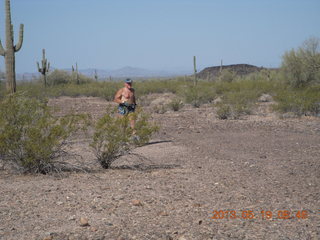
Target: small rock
column 288, row 115
column 163, row 214
column 84, row 222
column 217, row 100
column 137, row 203
column 168, row 237
column 94, row 229
column 72, row 218
column 48, row 238
column 59, row 203
column 265, row 98
column 182, row 238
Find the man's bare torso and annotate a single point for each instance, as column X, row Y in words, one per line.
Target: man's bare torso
column 127, row 95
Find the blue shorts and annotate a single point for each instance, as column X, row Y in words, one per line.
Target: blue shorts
column 124, row 110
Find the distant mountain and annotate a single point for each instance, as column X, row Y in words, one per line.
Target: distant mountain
column 137, row 72
column 124, row 72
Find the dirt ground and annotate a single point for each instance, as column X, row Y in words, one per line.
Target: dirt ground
column 195, row 169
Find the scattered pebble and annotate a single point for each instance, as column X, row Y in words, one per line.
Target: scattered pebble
column 84, row 222
column 137, row 203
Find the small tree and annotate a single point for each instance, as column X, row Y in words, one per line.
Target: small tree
column 301, row 67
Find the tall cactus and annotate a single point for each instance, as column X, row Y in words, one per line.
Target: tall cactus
column 96, row 75
column 195, row 70
column 11, row 49
column 45, row 65
column 75, row 74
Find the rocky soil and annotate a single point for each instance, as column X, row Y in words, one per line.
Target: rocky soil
column 190, row 182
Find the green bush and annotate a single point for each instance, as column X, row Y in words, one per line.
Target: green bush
column 176, row 104
column 59, row 77
column 143, row 128
column 223, row 111
column 298, row 101
column 301, row 67
column 31, row 138
column 160, row 109
column 203, row 93
column 227, row 76
column 63, row 77
column 113, row 137
column 104, row 90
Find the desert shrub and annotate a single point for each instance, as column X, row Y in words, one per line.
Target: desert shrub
column 227, row 76
column 160, row 109
column 31, row 138
column 192, row 96
column 80, row 79
column 298, row 101
column 231, row 111
column 157, row 86
column 223, row 111
column 2, row 89
column 113, row 137
column 104, row 90
column 143, row 128
column 301, row 67
column 239, row 102
column 59, row 77
column 176, row 104
column 197, row 95
column 63, row 77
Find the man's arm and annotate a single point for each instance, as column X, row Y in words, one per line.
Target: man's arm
column 117, row 97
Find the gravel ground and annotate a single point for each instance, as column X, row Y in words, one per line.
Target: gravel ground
column 199, row 178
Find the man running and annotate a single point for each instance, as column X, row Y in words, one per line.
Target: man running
column 126, row 99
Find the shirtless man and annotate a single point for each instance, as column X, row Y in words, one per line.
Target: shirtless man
column 126, row 99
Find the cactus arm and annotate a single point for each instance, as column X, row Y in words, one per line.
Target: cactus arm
column 39, row 69
column 19, row 45
column 48, row 67
column 2, row 51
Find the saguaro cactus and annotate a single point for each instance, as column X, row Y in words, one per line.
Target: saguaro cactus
column 11, row 49
column 45, row 65
column 75, row 74
column 195, row 70
column 96, row 75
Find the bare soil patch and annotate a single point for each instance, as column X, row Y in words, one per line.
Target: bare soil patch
column 170, row 188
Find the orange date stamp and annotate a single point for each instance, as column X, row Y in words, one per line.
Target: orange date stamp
column 264, row 215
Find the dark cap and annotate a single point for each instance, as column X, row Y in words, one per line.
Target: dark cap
column 128, row 80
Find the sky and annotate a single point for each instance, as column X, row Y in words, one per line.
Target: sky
column 159, row 34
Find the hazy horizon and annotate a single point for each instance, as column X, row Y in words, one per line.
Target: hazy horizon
column 159, row 35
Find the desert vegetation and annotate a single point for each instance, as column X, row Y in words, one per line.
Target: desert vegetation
column 199, row 146
column 294, row 89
